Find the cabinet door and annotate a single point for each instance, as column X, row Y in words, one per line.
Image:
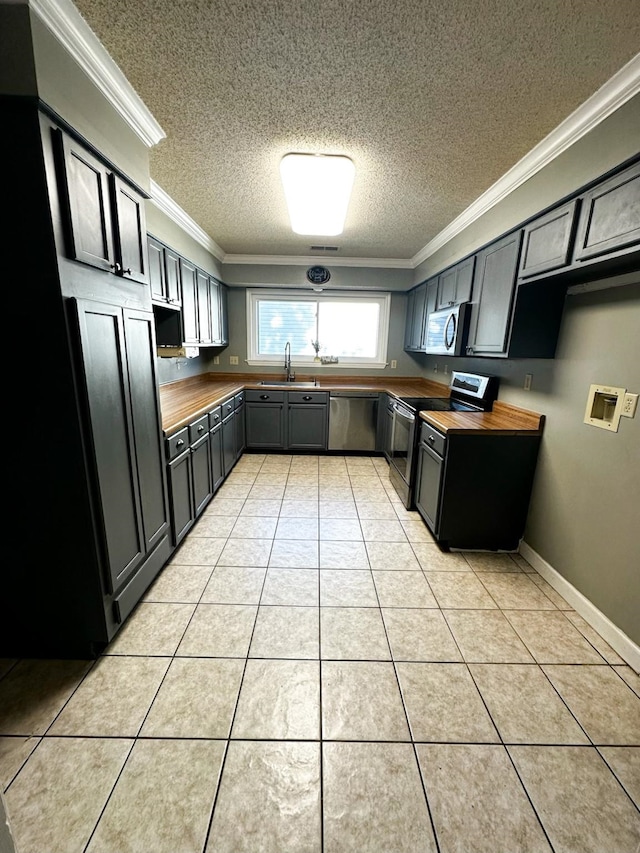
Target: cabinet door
column 547, row 242
column 214, row 311
column 408, row 323
column 464, row 280
column 610, row 216
column 454, row 285
column 157, row 278
column 189, row 302
column 86, row 195
column 111, row 438
column 417, row 321
column 228, row 444
column 217, row 469
column 201, row 472
column 224, row 314
column 493, row 287
column 308, row 427
column 130, row 231
column 265, row 425
column 181, row 496
column 147, row 423
column 241, row 439
column 173, row 290
column 204, row 308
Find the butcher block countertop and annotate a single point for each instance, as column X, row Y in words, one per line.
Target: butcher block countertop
column 183, row 401
column 502, row 420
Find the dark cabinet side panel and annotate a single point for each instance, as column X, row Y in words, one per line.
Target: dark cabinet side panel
column 107, row 392
column 145, row 409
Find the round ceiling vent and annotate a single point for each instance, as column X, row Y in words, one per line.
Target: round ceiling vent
column 318, row 275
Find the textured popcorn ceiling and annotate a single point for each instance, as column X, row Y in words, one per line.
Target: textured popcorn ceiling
column 433, row 100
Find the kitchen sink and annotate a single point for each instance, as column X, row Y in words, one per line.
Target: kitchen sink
column 293, row 384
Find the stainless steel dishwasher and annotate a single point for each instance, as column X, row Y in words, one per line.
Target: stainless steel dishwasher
column 353, row 418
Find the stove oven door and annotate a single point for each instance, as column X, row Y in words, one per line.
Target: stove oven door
column 403, row 441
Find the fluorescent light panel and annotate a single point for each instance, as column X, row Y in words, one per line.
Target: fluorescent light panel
column 317, row 188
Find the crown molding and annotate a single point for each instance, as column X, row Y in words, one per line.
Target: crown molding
column 168, row 206
column 620, row 88
column 68, row 26
column 305, row 260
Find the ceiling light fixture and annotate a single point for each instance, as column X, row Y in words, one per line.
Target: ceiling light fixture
column 317, row 188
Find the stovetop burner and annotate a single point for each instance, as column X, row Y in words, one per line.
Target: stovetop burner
column 437, row 404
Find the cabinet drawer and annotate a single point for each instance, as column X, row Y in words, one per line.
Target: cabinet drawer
column 318, row 397
column 432, row 438
column 215, row 417
column 255, row 396
column 198, row 428
column 177, row 443
column 227, row 408
column 238, row 400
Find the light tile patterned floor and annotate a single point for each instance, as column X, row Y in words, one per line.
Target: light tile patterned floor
column 311, row 673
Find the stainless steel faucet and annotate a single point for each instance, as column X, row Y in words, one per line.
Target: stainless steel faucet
column 287, row 362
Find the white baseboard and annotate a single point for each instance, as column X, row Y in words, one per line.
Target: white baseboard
column 616, row 638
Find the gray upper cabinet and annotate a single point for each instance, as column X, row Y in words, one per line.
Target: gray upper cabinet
column 421, row 301
column 106, row 226
column 190, row 325
column 610, row 216
column 493, row 288
column 454, row 284
column 548, row 241
column 164, row 274
column 130, row 232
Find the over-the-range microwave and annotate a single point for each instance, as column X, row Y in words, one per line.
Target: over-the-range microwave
column 446, row 331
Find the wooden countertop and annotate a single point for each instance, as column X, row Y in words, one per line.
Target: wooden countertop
column 186, row 399
column 183, row 401
column 502, row 420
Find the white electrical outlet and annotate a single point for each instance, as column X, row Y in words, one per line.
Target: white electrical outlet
column 435, row 368
column 233, row 359
column 629, row 405
column 394, row 364
column 527, row 381
column 446, row 368
column 216, row 359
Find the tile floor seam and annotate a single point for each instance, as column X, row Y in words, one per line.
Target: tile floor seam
column 231, row 723
column 410, row 730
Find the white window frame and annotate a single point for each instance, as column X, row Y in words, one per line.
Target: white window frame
column 254, row 295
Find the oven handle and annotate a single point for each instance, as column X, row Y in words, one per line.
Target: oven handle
column 403, row 413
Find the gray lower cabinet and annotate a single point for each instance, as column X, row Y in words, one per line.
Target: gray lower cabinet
column 282, row 420
column 217, row 463
column 228, row 443
column 201, row 472
column 181, row 495
column 265, row 420
column 308, row 420
column 240, row 426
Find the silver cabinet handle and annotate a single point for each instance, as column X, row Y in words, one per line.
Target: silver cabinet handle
column 179, row 443
column 307, row 397
column 264, row 396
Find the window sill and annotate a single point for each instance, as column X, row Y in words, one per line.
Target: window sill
column 302, row 365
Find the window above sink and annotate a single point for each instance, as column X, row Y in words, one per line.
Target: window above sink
column 350, row 326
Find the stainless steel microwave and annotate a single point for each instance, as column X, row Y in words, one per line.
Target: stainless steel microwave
column 447, row 330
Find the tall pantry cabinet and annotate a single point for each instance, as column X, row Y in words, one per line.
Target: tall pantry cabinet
column 90, row 486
